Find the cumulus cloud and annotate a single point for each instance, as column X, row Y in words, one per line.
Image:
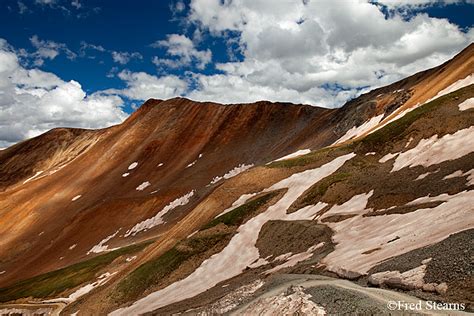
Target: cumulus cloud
column 124, row 57
column 419, row 3
column 184, row 52
column 33, row 101
column 48, row 50
column 318, row 52
column 143, row 86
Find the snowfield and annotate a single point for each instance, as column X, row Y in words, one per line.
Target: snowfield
column 232, row 173
column 158, row 218
column 101, row 246
column 102, row 279
column 143, row 186
column 466, row 105
column 368, row 233
column 359, row 130
column 435, row 150
column 241, row 250
column 298, row 153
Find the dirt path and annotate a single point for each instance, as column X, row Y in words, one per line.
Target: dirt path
column 386, row 299
column 52, row 309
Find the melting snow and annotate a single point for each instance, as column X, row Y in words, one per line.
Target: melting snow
column 466, row 105
column 130, row 259
column 239, row 202
column 101, row 247
column 191, row 164
column 240, row 251
column 293, row 301
column 356, row 205
column 83, row 290
column 143, row 186
column 455, row 174
column 294, row 259
column 435, row 150
column 455, row 86
column 158, row 218
column 33, row 177
column 232, row 173
column 77, row 197
column 298, row 153
column 357, row 131
column 423, row 175
column 133, row 165
column 414, row 230
column 387, row 157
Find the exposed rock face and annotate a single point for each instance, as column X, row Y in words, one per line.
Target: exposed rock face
column 182, row 183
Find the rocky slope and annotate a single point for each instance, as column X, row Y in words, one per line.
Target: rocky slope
column 188, row 207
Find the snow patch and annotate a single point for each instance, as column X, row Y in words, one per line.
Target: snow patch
column 455, row 86
column 387, row 157
column 101, row 247
column 294, row 259
column 357, row 131
column 126, row 174
column 160, row 164
column 232, row 173
column 158, row 218
column 33, row 177
column 133, row 165
column 370, row 153
column 356, row 205
column 239, row 202
column 130, row 259
column 241, row 251
column 466, row 105
column 143, row 186
column 72, row 247
column 298, row 153
column 77, row 197
column 450, row 217
column 435, row 150
column 422, row 176
column 102, row 279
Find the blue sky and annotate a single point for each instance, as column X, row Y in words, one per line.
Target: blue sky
column 87, row 63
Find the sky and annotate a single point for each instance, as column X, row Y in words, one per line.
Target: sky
column 90, row 63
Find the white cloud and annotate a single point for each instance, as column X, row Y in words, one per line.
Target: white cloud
column 142, row 86
column 183, row 49
column 76, row 4
column 48, row 50
column 22, row 8
column 33, row 101
column 419, row 3
column 124, row 57
column 293, row 50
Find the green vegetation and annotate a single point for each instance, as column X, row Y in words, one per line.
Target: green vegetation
column 317, row 191
column 55, row 282
column 396, row 129
column 153, row 271
column 238, row 215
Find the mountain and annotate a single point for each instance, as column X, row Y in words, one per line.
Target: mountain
column 203, row 208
